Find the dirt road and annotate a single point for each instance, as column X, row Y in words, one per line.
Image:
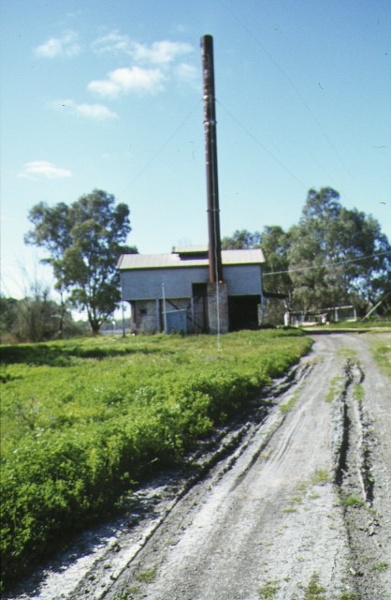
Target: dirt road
column 296, row 506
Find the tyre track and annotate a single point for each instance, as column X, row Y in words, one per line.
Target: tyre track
column 259, row 524
column 266, row 508
column 364, row 457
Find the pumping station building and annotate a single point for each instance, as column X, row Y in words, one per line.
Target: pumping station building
column 197, row 289
column 173, row 292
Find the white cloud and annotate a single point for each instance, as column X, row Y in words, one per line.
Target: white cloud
column 113, row 42
column 67, row 45
column 154, row 65
column 160, row 53
column 128, row 80
column 96, row 112
column 42, row 168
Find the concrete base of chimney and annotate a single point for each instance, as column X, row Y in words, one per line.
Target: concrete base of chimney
column 217, row 308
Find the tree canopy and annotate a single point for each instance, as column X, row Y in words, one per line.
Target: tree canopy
column 333, row 256
column 337, row 255
column 35, row 318
column 83, row 242
column 241, row 240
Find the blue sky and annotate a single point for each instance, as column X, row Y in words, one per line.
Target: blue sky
column 108, row 94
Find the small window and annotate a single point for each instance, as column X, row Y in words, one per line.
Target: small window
column 143, row 311
column 200, row 289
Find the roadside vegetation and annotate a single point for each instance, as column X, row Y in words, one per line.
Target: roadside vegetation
column 83, row 421
column 333, row 257
column 367, row 325
column 382, row 353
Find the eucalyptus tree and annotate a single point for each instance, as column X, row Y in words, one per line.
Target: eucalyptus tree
column 241, row 240
column 83, row 242
column 333, row 256
column 337, row 255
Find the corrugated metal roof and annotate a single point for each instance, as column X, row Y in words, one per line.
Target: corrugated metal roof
column 190, row 249
column 242, row 257
column 174, row 260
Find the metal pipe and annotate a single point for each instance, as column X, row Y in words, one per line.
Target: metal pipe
column 215, row 262
column 164, row 308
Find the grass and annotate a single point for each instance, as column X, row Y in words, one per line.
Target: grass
column 352, row 501
column 288, row 406
column 128, row 594
column 84, row 421
column 318, row 478
column 359, row 326
column 314, row 590
column 334, row 389
column 147, row 576
column 382, row 354
column 381, row 566
column 358, row 392
column 348, row 354
column 269, row 590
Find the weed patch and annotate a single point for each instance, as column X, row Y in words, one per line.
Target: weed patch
column 334, row 389
column 269, row 590
column 352, row 501
column 83, row 421
column 358, row 392
column 129, row 594
column 147, row 576
column 314, row 590
column 382, row 354
column 381, row 566
column 320, row 477
column 288, row 406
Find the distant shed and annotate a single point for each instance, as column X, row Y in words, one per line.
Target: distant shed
column 169, row 292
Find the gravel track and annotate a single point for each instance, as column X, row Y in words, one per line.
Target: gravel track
column 294, row 503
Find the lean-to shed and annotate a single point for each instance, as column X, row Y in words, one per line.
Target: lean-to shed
column 171, row 292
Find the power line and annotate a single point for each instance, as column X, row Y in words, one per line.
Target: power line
column 161, row 148
column 327, row 266
column 256, row 140
column 292, row 84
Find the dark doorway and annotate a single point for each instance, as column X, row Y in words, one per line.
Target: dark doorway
column 200, row 292
column 243, row 312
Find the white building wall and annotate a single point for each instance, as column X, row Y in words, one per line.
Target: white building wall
column 243, row 280
column 138, row 284
column 146, row 284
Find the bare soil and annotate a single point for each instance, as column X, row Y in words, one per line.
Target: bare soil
column 292, row 502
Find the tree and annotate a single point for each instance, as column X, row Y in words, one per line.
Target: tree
column 84, row 241
column 35, row 318
column 275, row 243
column 276, row 281
column 241, row 240
column 8, row 313
column 336, row 255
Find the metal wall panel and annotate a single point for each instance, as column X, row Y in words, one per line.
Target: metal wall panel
column 142, row 285
column 241, row 280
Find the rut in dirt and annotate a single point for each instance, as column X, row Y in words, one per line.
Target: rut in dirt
column 293, row 503
column 297, row 510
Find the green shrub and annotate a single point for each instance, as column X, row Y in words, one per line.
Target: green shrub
column 84, row 421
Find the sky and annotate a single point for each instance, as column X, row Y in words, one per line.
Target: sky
column 107, row 94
